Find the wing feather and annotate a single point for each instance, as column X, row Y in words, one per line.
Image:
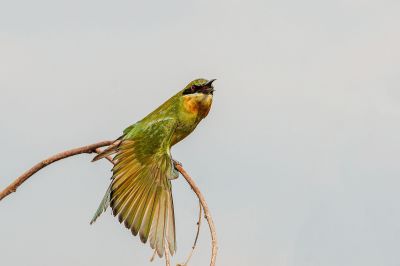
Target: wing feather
column 140, row 193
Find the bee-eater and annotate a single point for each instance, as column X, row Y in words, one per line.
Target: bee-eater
column 140, row 192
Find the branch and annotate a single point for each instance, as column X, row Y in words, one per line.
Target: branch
column 62, row 155
column 197, row 236
column 95, row 148
column 214, row 242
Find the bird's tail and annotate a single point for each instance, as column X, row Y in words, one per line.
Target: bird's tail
column 105, row 202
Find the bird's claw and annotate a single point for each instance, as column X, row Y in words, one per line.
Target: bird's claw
column 175, row 172
column 176, row 162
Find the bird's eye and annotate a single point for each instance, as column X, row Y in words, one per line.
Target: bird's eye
column 189, row 90
column 196, row 88
column 193, row 89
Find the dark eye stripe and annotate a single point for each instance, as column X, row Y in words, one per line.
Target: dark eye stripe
column 192, row 89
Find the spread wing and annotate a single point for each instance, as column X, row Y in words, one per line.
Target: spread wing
column 140, row 192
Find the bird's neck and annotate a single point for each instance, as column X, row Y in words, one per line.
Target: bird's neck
column 197, row 104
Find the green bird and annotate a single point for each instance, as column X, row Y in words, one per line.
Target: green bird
column 140, row 193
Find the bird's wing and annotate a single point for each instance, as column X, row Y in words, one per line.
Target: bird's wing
column 140, row 192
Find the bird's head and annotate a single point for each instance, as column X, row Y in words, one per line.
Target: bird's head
column 202, row 86
column 197, row 97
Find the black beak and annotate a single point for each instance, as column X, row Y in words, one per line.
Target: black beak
column 209, row 89
column 209, row 83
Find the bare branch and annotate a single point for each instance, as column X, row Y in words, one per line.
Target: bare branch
column 197, row 236
column 109, row 158
column 214, row 242
column 62, row 155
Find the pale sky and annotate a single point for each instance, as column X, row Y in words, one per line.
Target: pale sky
column 298, row 158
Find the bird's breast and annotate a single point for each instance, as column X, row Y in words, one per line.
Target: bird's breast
column 195, row 108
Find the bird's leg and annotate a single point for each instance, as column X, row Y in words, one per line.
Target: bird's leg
column 175, row 172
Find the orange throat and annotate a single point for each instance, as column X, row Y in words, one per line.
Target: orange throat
column 198, row 104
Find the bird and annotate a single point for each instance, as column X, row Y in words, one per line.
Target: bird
column 140, row 192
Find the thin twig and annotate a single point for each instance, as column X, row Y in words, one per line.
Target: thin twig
column 62, row 155
column 92, row 148
column 214, row 242
column 197, row 237
column 109, row 158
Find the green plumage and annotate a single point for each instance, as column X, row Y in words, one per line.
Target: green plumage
column 140, row 193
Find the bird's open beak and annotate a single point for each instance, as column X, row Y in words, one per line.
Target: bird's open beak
column 209, row 83
column 209, row 89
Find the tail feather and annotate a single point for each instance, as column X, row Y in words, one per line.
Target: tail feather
column 105, row 202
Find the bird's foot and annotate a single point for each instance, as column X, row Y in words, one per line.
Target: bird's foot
column 176, row 162
column 175, row 172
